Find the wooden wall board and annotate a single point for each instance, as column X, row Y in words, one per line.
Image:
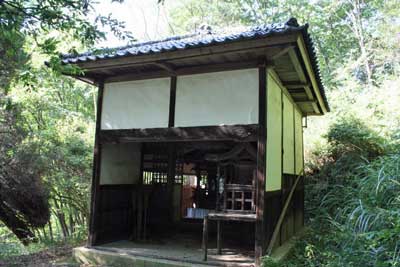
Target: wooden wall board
column 274, row 147
column 115, row 213
column 288, row 136
column 298, row 130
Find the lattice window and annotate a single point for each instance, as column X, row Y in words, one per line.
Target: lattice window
column 239, row 197
column 178, row 173
column 155, row 169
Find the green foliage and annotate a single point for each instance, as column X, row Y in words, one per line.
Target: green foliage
column 49, row 24
column 269, row 262
column 46, row 121
column 356, row 222
column 351, row 135
column 352, row 201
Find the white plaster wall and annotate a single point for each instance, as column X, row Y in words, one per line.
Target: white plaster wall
column 120, row 163
column 219, row 98
column 274, row 145
column 136, row 104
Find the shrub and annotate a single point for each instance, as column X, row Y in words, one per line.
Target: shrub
column 351, row 135
column 352, row 202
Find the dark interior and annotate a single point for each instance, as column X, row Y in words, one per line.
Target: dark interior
column 206, row 176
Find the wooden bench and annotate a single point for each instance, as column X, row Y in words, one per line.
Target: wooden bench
column 223, row 216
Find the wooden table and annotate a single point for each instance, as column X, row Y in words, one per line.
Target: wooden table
column 223, row 216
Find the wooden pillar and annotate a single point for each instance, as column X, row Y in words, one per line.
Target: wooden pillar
column 171, row 179
column 219, row 249
column 95, row 189
column 205, row 237
column 172, row 99
column 171, row 150
column 261, row 165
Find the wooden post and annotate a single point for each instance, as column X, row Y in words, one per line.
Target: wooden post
column 172, row 99
column 139, row 218
column 217, row 183
column 95, row 189
column 219, row 237
column 171, row 150
column 137, row 199
column 205, row 236
column 171, row 179
column 261, row 165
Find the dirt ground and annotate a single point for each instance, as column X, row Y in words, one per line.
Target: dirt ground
column 59, row 256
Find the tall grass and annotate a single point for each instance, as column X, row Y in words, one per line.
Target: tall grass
column 352, row 202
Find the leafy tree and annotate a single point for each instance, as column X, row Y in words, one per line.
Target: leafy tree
column 31, row 32
column 345, row 31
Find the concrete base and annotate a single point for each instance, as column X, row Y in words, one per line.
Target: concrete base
column 173, row 254
column 98, row 257
column 125, row 253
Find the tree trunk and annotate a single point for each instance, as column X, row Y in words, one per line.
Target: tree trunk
column 71, row 224
column 61, row 219
column 51, row 232
column 16, row 225
column 44, row 233
column 358, row 30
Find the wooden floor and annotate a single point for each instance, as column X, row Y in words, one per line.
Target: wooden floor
column 183, row 249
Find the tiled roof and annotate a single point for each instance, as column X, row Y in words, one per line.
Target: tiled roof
column 204, row 38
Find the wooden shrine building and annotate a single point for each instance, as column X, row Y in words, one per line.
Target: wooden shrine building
column 198, row 152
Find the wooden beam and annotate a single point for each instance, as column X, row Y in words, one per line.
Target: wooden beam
column 307, row 63
column 294, row 85
column 89, row 80
column 188, row 70
column 193, row 52
column 300, row 73
column 314, row 102
column 232, row 216
column 215, row 67
column 95, row 189
column 240, row 133
column 306, row 102
column 261, row 165
column 302, row 77
column 297, row 66
column 166, row 66
column 282, row 52
column 135, row 76
column 282, row 215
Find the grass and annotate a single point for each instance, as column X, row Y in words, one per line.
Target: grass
column 43, row 253
column 352, row 203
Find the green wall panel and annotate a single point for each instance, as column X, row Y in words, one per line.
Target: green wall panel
column 298, row 140
column 274, row 133
column 288, row 136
